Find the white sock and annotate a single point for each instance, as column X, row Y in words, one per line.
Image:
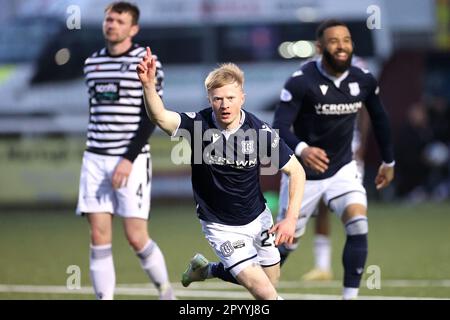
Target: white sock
column 102, row 272
column 350, row 293
column 152, row 261
column 322, row 252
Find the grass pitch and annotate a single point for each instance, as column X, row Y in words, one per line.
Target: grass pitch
column 409, row 244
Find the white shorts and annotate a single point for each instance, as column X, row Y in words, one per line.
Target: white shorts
column 96, row 193
column 337, row 192
column 240, row 246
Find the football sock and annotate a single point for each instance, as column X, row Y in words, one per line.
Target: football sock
column 350, row 293
column 322, row 252
column 152, row 261
column 285, row 250
column 217, row 270
column 101, row 267
column 355, row 251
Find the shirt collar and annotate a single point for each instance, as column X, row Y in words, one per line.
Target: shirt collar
column 228, row 132
column 336, row 80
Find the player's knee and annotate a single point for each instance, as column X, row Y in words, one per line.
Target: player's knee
column 137, row 241
column 357, row 225
column 100, row 235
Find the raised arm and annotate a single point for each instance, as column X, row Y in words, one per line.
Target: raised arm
column 165, row 119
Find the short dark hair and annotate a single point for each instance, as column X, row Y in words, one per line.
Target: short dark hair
column 122, row 6
column 328, row 24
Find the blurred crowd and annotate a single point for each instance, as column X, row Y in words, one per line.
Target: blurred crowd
column 422, row 151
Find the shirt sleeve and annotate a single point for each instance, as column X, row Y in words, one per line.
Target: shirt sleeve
column 287, row 110
column 380, row 121
column 187, row 124
column 276, row 149
column 146, row 128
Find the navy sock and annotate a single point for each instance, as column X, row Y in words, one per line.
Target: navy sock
column 218, row 271
column 354, row 259
column 284, row 253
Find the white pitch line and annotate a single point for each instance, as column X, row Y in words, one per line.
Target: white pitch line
column 331, row 284
column 215, row 285
column 208, row 294
column 120, row 290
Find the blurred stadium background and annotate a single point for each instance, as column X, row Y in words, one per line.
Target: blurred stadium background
column 44, row 115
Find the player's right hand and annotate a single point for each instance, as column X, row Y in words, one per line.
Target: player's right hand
column 284, row 230
column 146, row 69
column 121, row 173
column 315, row 158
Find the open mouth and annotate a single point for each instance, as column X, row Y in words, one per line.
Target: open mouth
column 342, row 56
column 225, row 114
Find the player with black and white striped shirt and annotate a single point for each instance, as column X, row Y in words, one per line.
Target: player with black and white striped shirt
column 117, row 124
column 116, row 170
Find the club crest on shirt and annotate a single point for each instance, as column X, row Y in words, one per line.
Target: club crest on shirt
column 354, row 88
column 285, row 95
column 247, row 146
column 125, row 66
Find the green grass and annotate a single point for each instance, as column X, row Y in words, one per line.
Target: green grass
column 406, row 242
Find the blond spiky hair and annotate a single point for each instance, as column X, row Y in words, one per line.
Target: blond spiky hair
column 226, row 73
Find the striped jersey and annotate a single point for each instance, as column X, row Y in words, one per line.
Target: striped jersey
column 118, row 123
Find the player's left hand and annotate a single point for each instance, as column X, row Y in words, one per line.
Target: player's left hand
column 384, row 176
column 121, row 173
column 284, row 230
column 146, row 69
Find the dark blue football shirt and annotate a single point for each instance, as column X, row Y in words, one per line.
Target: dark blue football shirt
column 226, row 165
column 322, row 112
